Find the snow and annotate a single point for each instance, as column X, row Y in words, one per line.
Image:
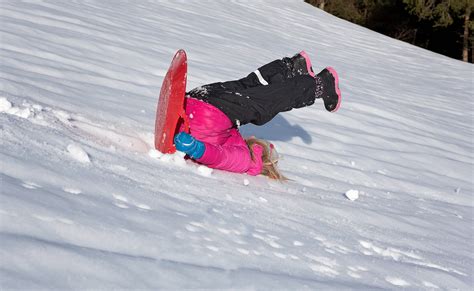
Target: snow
column 155, row 153
column 78, row 153
column 5, row 105
column 397, row 281
column 80, row 79
column 352, row 194
column 204, row 171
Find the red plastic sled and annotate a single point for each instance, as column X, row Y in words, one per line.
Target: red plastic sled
column 170, row 112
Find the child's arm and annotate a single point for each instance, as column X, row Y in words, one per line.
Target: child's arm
column 235, row 158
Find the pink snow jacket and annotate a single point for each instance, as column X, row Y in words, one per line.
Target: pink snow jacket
column 225, row 147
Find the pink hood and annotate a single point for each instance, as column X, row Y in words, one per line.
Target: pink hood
column 225, row 147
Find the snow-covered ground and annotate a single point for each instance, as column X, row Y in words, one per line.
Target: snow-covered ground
column 87, row 203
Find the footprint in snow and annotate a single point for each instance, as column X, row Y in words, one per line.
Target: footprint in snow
column 122, row 202
column 192, row 228
column 323, row 265
column 243, row 251
column 280, row 255
column 142, row 206
column 74, row 191
column 53, row 219
column 334, row 248
column 397, row 281
column 353, row 271
column 30, row 185
column 212, row 248
column 268, row 239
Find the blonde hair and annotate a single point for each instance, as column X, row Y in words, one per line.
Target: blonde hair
column 269, row 158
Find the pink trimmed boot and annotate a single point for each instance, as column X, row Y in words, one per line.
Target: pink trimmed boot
column 309, row 66
column 327, row 87
column 301, row 64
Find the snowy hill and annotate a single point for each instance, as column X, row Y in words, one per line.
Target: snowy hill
column 86, row 202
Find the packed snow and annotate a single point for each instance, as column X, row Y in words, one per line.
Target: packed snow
column 352, row 194
column 87, row 202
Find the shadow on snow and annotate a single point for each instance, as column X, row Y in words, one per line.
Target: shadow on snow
column 278, row 129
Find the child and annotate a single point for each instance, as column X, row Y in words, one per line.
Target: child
column 216, row 111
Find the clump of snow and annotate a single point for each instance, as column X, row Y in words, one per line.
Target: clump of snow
column 5, row 105
column 20, row 112
column 78, row 153
column 62, row 115
column 176, row 158
column 352, row 194
column 37, row 107
column 156, row 154
column 204, row 171
column 246, row 182
column 167, row 158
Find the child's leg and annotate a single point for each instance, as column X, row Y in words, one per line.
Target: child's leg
column 276, row 71
column 260, row 104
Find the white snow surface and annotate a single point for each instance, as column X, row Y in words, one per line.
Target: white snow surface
column 111, row 213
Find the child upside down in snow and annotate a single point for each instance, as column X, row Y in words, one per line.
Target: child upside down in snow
column 216, row 110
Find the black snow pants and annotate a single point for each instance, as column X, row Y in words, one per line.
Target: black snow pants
column 260, row 96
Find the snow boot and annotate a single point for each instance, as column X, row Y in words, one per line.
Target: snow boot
column 327, row 87
column 301, row 64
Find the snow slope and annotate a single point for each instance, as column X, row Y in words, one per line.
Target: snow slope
column 86, row 202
